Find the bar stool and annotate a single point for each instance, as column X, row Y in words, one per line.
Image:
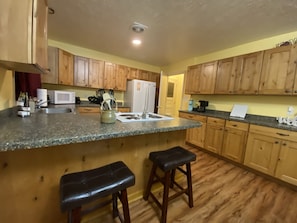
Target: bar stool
column 169, row 161
column 80, row 188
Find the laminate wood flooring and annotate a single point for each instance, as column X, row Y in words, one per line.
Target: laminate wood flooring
column 222, row 193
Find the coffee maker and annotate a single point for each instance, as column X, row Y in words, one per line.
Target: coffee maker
column 202, row 106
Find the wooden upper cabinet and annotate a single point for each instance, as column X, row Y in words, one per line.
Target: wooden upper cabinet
column 133, row 73
column 278, row 71
column 65, row 68
column 192, row 79
column 121, row 78
column 23, row 38
column 248, row 73
column 207, row 78
column 53, row 63
column 96, row 73
column 109, row 75
column 81, row 71
column 225, row 76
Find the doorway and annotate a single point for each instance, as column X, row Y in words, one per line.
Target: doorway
column 173, row 92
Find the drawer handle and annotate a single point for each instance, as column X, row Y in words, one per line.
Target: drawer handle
column 282, row 134
column 234, row 125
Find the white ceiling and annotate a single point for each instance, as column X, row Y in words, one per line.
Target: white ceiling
column 177, row 29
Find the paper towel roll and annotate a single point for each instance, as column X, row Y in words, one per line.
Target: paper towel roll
column 42, row 97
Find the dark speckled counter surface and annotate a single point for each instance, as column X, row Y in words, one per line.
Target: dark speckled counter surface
column 251, row 119
column 44, row 130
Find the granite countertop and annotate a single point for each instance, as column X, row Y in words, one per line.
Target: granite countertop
column 251, row 119
column 44, row 130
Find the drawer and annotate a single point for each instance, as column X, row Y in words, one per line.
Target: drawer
column 124, row 109
column 237, row 125
column 277, row 133
column 215, row 121
column 198, row 118
column 88, row 109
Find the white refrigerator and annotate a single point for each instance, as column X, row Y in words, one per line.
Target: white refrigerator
column 140, row 95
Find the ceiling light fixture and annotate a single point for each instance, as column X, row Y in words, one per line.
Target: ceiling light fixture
column 138, row 27
column 136, row 41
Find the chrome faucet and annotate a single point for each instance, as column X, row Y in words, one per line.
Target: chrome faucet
column 39, row 103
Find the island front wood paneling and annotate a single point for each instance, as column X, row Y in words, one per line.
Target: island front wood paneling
column 29, row 179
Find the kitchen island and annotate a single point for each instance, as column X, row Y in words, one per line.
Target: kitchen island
column 36, row 151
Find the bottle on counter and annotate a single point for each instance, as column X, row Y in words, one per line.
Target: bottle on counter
column 190, row 105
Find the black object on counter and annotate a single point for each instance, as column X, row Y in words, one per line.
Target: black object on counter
column 201, row 107
column 77, row 100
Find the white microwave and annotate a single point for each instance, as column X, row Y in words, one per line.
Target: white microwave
column 61, row 97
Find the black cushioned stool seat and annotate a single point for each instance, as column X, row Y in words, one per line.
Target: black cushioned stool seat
column 77, row 189
column 169, row 161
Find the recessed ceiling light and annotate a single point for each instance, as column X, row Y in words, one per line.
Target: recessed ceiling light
column 136, row 41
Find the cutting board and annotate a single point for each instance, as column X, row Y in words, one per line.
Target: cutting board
column 239, row 111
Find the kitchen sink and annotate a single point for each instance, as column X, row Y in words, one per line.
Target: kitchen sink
column 56, row 110
column 137, row 117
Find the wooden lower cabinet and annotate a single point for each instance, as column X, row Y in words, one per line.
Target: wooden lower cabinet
column 214, row 134
column 262, row 153
column 273, row 151
column 195, row 136
column 287, row 162
column 234, row 142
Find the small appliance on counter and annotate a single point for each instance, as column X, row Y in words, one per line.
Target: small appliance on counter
column 202, row 106
column 61, row 97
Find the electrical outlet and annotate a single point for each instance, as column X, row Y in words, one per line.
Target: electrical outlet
column 290, row 110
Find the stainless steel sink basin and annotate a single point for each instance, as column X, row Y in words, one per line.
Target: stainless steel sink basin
column 56, row 110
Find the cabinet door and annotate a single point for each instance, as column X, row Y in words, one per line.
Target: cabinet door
column 121, row 78
column 65, row 68
column 23, row 37
column 207, row 78
column 286, row 169
column 96, row 73
column 39, row 41
column 133, row 73
column 81, row 71
column 53, row 62
column 234, row 144
column 143, row 75
column 262, row 153
column 192, row 79
column 278, row 71
column 195, row 136
column 109, row 75
column 214, row 134
column 248, row 73
column 225, row 76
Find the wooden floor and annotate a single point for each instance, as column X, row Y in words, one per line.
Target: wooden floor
column 222, row 193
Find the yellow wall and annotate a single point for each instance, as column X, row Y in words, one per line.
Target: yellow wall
column 261, row 105
column 7, row 93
